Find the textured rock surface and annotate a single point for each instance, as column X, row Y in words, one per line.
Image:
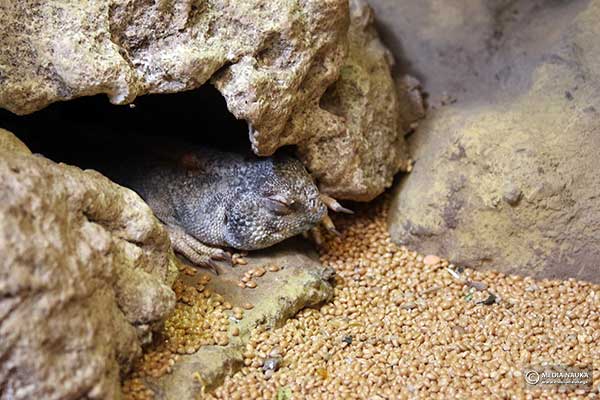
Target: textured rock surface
column 301, row 282
column 10, row 143
column 364, row 146
column 506, row 178
column 468, row 49
column 272, row 61
column 84, row 277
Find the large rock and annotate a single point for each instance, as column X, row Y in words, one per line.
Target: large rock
column 85, row 276
column 359, row 154
column 468, row 49
column 271, row 60
column 506, row 178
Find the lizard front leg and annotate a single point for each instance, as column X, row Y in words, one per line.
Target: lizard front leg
column 196, row 251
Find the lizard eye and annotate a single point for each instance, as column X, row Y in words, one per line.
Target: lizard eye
column 279, row 204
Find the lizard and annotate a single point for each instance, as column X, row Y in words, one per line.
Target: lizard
column 210, row 199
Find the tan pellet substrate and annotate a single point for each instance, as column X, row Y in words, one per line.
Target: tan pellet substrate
column 400, row 328
column 403, row 325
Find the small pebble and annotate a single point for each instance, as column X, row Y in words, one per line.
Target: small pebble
column 251, row 284
column 431, row 260
column 272, row 363
column 273, row 268
column 477, row 285
column 237, row 310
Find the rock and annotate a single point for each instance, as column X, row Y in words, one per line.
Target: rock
column 444, row 43
column 430, row 259
column 272, row 61
column 85, row 276
column 11, row 143
column 467, row 49
column 364, row 145
column 300, row 282
column 507, row 178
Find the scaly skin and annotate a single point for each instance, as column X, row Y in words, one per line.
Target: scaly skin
column 207, row 197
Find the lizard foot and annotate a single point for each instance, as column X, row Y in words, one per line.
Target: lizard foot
column 196, row 251
column 315, row 234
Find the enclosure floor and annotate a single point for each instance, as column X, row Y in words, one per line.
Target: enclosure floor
column 402, row 326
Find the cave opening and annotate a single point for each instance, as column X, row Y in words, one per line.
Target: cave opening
column 89, row 131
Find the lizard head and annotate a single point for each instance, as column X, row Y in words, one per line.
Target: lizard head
column 276, row 198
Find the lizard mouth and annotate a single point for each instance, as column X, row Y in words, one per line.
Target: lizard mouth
column 262, row 239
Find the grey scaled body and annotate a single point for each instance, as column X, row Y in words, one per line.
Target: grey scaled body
column 207, row 197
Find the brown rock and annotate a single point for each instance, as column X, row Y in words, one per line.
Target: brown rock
column 84, row 277
column 430, row 259
column 272, row 61
column 507, row 179
column 360, row 149
column 11, row 143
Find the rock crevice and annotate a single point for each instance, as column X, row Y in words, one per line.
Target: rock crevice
column 272, row 62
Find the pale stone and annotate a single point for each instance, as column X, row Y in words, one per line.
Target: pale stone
column 362, row 146
column 11, row 143
column 507, row 177
column 271, row 60
column 430, row 259
column 85, row 277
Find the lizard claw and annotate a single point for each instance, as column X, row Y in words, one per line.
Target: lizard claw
column 221, row 255
column 213, row 266
column 328, row 224
column 334, row 204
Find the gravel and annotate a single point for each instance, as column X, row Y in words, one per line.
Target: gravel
column 469, row 337
column 401, row 325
